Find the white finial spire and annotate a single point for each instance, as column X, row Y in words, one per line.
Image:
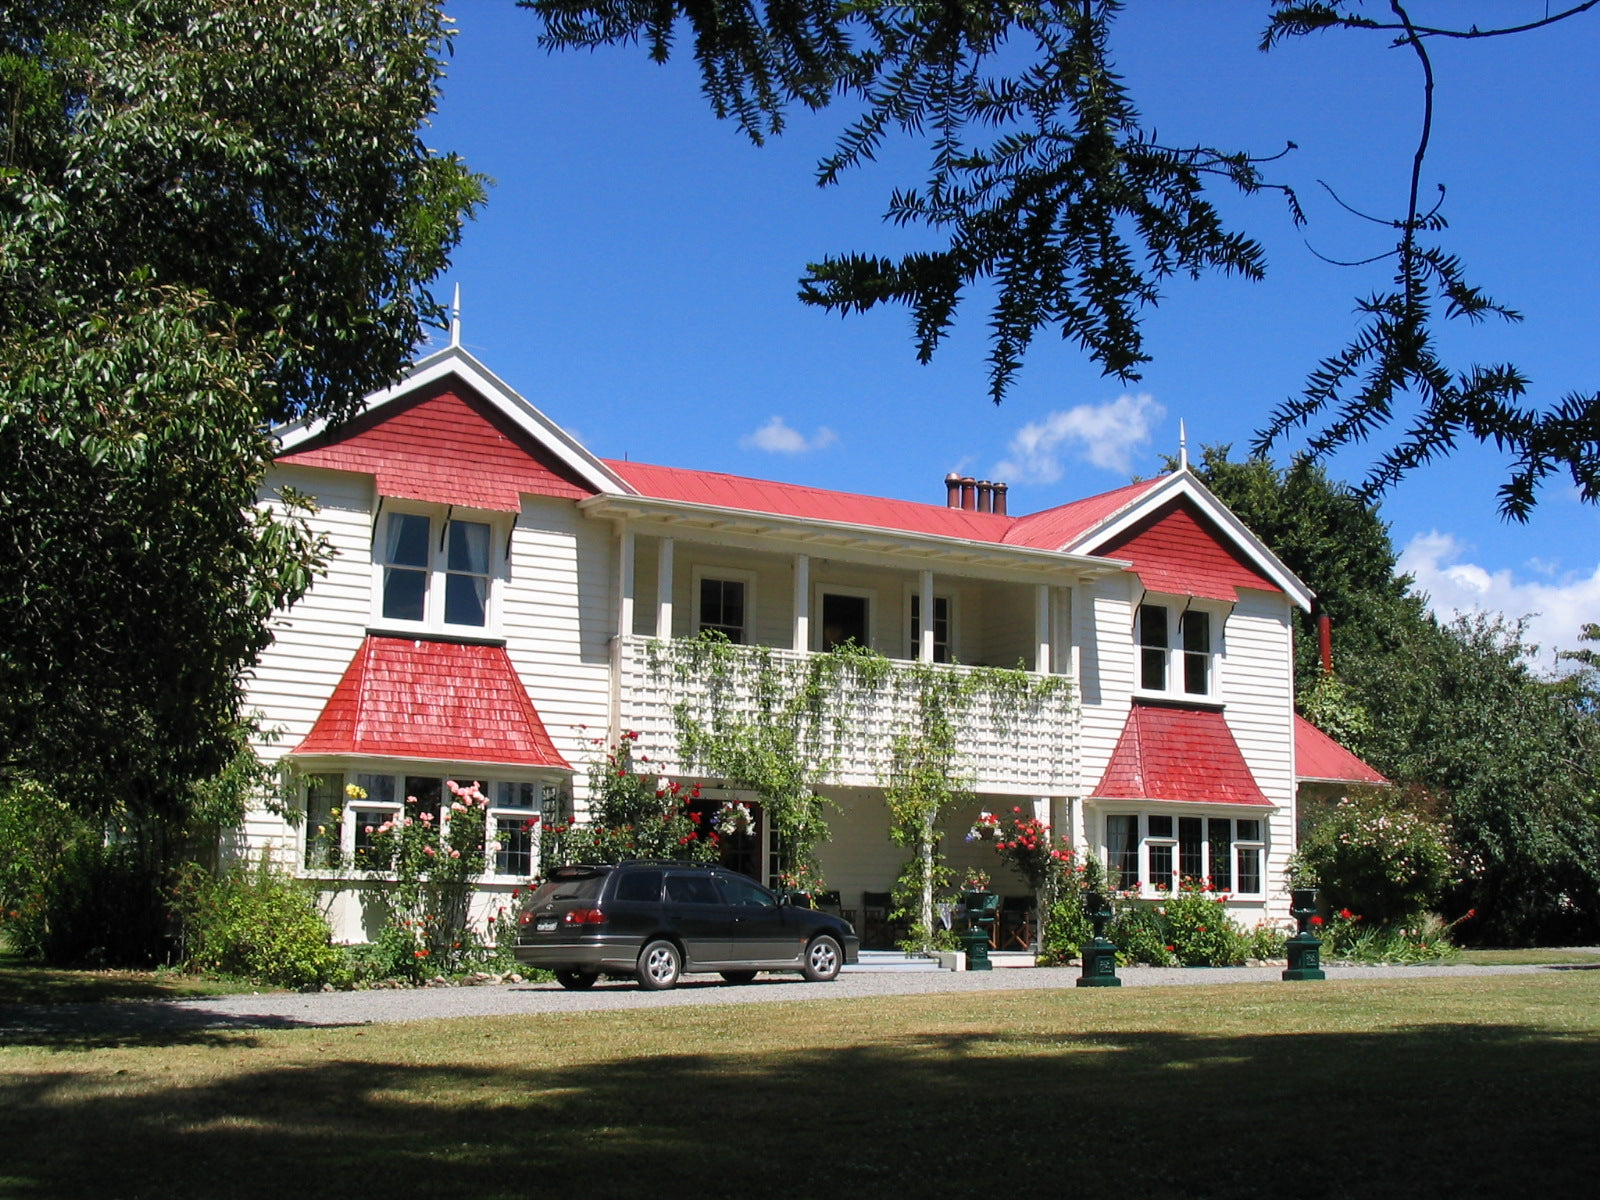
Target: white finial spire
column 1183, row 447
column 455, row 318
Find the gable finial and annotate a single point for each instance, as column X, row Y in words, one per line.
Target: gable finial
column 455, row 318
column 1183, row 447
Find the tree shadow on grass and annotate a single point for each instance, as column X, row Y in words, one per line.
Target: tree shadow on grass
column 1460, row 1110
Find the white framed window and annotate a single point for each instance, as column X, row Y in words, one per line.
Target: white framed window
column 1151, row 853
column 843, row 615
column 435, row 569
column 724, row 600
column 1177, row 649
column 943, row 626
column 345, row 809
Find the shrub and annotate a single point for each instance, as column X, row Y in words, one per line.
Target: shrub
column 1200, row 931
column 1141, row 936
column 1375, row 856
column 255, row 923
column 1347, row 936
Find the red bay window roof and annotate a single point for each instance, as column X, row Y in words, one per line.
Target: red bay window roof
column 446, row 701
column 1172, row 753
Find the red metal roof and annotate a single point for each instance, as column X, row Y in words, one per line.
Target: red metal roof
column 795, row 500
column 413, row 698
column 1179, row 550
column 444, row 444
column 1172, row 753
column 1056, row 527
column 1317, row 756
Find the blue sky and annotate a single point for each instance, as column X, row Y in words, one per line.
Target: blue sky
column 634, row 275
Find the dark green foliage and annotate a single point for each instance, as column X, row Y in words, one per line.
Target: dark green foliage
column 1455, row 712
column 1045, row 188
column 212, row 217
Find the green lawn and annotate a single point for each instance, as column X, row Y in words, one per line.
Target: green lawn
column 1459, row 1086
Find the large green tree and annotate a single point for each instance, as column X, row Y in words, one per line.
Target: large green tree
column 1451, row 712
column 1049, row 191
column 214, row 215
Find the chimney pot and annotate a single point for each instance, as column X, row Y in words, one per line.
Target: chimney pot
column 1000, row 498
column 985, row 496
column 969, row 492
column 952, row 490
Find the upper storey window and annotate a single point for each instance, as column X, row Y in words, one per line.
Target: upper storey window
column 1176, row 649
column 436, row 572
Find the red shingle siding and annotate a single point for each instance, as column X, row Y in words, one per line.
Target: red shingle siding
column 1318, row 756
column 1178, row 550
column 1170, row 753
column 444, row 445
column 406, row 698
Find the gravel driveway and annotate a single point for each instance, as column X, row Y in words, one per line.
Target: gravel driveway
column 298, row 1010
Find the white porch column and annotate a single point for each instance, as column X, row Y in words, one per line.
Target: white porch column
column 925, row 608
column 802, row 602
column 1041, row 628
column 664, row 591
column 625, row 587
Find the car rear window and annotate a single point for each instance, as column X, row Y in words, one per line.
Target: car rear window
column 576, row 886
column 639, row 885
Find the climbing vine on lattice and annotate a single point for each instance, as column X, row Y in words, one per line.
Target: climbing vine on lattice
column 776, row 724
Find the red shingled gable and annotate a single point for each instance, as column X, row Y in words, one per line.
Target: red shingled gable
column 1317, row 756
column 1169, row 753
column 818, row 504
column 1178, row 549
column 445, row 445
column 406, row 698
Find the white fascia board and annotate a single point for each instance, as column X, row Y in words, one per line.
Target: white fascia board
column 453, row 360
column 1183, row 483
column 803, row 529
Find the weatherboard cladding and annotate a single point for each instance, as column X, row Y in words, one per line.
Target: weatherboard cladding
column 1179, row 551
column 445, row 701
column 443, row 445
column 1317, row 756
column 1168, row 752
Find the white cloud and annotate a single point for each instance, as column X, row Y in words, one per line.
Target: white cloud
column 777, row 438
column 1558, row 607
column 1102, row 434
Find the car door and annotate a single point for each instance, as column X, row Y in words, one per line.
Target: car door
column 696, row 912
column 759, row 933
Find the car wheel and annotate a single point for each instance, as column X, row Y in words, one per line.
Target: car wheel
column 660, row 964
column 823, row 960
column 576, row 981
column 738, row 976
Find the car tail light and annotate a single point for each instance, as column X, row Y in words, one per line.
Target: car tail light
column 583, row 916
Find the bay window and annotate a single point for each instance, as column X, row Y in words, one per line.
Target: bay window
column 345, row 810
column 1152, row 853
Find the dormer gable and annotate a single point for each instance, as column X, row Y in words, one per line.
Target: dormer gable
column 452, row 433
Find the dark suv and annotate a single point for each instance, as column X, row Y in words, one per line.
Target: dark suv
column 655, row 921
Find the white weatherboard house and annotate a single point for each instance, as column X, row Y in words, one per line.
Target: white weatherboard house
column 496, row 592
